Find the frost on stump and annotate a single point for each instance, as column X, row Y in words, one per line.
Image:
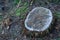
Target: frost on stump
column 39, row 19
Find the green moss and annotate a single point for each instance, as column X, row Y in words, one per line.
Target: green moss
column 54, row 1
column 57, row 38
column 57, row 14
column 21, row 10
column 16, row 2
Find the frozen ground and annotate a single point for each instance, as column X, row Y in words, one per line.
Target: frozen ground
column 16, row 30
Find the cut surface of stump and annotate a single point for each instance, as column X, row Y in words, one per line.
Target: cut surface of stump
column 39, row 19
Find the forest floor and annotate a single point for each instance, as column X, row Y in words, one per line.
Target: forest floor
column 12, row 27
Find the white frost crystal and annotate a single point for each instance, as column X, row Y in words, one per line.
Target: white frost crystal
column 39, row 19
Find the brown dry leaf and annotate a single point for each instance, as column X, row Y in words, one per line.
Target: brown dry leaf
column 57, row 28
column 36, row 34
column 7, row 22
column 51, row 35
